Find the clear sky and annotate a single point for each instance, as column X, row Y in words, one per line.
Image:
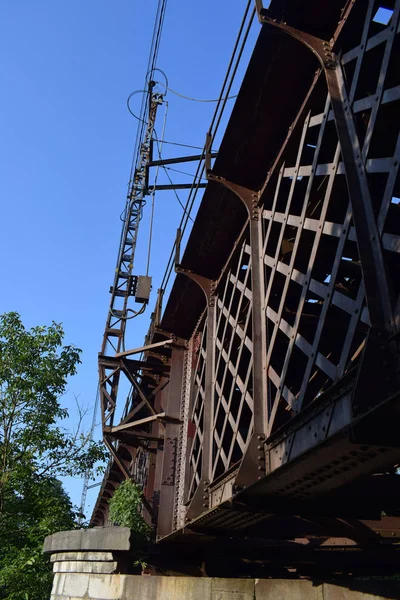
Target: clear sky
column 67, row 67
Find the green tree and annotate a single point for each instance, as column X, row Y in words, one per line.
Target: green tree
column 126, row 507
column 35, row 450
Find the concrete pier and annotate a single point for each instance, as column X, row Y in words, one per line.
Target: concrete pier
column 97, row 564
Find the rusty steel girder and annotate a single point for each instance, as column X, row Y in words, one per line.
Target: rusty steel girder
column 285, row 387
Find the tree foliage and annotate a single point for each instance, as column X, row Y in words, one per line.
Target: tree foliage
column 126, row 508
column 34, row 451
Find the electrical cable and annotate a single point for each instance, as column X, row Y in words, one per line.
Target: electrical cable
column 163, row 74
column 195, row 99
column 178, row 144
column 145, row 122
column 151, row 65
column 241, row 29
column 167, row 174
column 216, row 119
column 153, row 192
column 150, row 232
column 176, row 194
column 129, row 107
column 182, row 172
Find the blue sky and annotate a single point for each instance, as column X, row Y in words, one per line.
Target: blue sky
column 67, row 138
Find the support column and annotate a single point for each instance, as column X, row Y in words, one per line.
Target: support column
column 209, row 392
column 200, row 500
column 253, row 465
column 168, row 479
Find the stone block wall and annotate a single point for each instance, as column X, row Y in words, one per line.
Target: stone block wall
column 93, row 565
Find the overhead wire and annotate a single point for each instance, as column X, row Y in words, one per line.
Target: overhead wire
column 151, row 65
column 214, row 126
column 182, row 172
column 195, row 99
column 153, row 191
column 249, row 3
column 129, row 106
column 178, row 144
column 176, row 193
column 158, row 82
column 159, row 148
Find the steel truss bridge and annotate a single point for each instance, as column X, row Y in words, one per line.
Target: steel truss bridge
column 264, row 418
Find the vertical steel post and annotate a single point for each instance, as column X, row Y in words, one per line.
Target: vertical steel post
column 200, row 499
column 259, row 323
column 172, row 408
column 253, row 463
column 206, row 467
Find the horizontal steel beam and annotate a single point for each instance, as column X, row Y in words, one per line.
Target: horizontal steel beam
column 129, row 435
column 110, row 362
column 178, row 186
column 143, row 348
column 179, row 159
column 131, row 424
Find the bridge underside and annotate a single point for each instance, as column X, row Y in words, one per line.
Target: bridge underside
column 264, row 423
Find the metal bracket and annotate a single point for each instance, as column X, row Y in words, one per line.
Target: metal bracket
column 321, row 48
column 253, row 465
column 208, row 286
column 199, row 502
column 250, row 198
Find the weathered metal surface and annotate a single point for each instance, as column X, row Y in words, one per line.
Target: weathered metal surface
column 288, row 294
